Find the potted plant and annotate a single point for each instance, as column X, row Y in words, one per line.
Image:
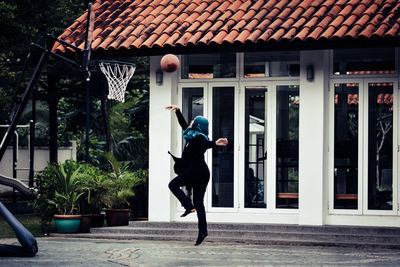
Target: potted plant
column 120, row 189
column 95, row 185
column 68, row 190
column 46, row 187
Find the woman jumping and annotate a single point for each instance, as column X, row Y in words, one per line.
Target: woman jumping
column 194, row 171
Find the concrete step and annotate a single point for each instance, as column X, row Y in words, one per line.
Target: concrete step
column 272, row 227
column 257, row 241
column 265, row 234
column 250, row 234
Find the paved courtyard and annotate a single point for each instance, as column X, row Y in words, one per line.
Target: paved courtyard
column 89, row 252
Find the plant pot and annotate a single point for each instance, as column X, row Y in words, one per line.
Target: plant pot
column 86, row 220
column 67, row 223
column 97, row 220
column 117, row 217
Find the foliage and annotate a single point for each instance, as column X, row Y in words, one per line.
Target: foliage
column 133, row 151
column 24, row 22
column 68, row 187
column 140, row 200
column 95, row 185
column 59, row 190
column 131, row 117
column 96, row 150
column 121, row 184
column 46, row 190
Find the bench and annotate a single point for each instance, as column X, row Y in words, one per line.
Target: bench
column 346, row 196
column 287, row 196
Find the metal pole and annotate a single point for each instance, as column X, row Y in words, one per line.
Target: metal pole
column 85, row 64
column 28, row 91
column 15, row 162
column 32, row 139
column 87, row 143
column 31, row 150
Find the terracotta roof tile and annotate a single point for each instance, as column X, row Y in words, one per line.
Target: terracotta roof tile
column 238, row 15
column 314, row 35
column 184, row 39
column 212, row 6
column 302, row 35
column 195, row 38
column 363, row 20
column 289, row 35
column 321, row 12
column 354, row 31
column 327, row 34
column 231, row 36
column 223, row 6
column 368, row 31
column 350, row 20
column 299, row 22
column 278, row 34
column 206, row 38
column 242, row 37
column 381, row 30
column 201, row 7
column 251, row 25
column 393, row 31
column 341, row 32
column 239, row 26
column 133, row 24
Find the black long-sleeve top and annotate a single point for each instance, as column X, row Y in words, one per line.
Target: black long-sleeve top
column 195, row 149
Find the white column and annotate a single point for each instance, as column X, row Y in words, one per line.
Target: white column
column 161, row 202
column 313, row 138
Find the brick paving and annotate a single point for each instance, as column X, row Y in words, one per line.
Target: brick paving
column 57, row 251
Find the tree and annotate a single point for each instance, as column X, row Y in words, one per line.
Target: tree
column 23, row 22
column 62, row 86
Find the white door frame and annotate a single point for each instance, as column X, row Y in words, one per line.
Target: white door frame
column 270, row 175
column 395, row 166
column 178, row 137
column 210, row 87
column 242, row 138
column 331, row 146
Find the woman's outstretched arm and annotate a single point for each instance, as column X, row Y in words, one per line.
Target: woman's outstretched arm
column 181, row 119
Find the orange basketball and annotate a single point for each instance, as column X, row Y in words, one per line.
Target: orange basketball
column 169, row 63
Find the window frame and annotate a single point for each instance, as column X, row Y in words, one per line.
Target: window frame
column 344, row 76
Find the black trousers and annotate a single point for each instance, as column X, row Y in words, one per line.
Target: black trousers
column 199, row 191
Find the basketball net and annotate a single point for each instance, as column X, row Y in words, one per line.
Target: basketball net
column 118, row 76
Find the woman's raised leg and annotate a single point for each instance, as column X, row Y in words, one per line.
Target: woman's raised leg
column 175, row 187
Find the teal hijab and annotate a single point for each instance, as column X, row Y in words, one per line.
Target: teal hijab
column 199, row 126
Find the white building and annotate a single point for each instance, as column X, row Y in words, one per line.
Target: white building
column 305, row 91
column 303, row 150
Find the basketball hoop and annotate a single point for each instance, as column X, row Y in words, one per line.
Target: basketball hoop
column 118, row 75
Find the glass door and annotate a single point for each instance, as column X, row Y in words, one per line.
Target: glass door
column 346, row 145
column 269, row 179
column 192, row 105
column 381, row 139
column 363, row 146
column 255, row 149
column 223, row 158
column 287, row 146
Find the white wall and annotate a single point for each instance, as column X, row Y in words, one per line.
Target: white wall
column 161, row 203
column 41, row 159
column 313, row 138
